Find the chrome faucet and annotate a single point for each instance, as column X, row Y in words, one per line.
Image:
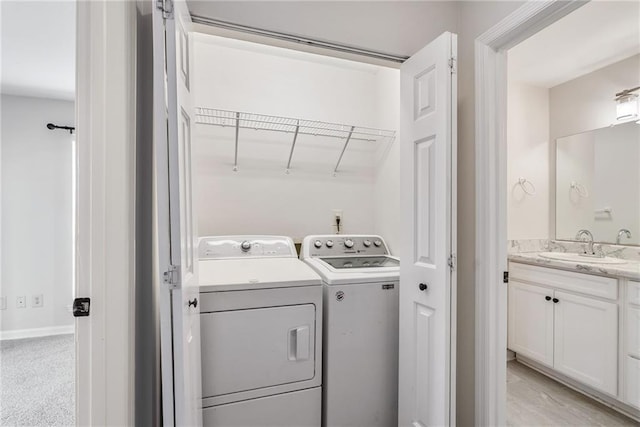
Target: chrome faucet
column 589, row 236
column 623, row 232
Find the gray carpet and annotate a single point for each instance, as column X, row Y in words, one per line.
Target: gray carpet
column 37, row 381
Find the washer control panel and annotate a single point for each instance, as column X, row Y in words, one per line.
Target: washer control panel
column 337, row 245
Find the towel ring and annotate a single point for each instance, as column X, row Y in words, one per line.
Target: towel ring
column 579, row 189
column 527, row 186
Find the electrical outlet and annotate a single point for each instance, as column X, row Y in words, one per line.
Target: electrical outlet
column 21, row 302
column 37, row 301
column 337, row 221
column 3, row 303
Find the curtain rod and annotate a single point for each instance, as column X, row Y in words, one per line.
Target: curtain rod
column 298, row 39
column 51, row 126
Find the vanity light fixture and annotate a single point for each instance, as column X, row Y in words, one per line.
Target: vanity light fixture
column 627, row 104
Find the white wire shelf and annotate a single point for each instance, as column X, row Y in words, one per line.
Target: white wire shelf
column 212, row 116
column 241, row 120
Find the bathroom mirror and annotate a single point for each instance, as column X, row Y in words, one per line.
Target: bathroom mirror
column 598, row 184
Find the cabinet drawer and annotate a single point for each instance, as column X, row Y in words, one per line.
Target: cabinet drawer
column 632, row 384
column 598, row 286
column 633, row 331
column 633, row 292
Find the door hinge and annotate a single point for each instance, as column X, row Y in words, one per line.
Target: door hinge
column 505, row 277
column 170, row 277
column 453, row 65
column 452, row 261
column 81, row 307
column 166, row 6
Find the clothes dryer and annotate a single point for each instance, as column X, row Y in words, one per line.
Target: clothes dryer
column 261, row 333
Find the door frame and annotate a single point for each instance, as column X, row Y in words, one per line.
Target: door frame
column 491, row 197
column 105, row 211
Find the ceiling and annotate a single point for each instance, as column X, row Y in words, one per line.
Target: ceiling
column 37, row 48
column 592, row 37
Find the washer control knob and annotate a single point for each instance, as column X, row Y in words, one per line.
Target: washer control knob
column 348, row 243
column 245, row 246
column 378, row 243
column 366, row 243
column 317, row 244
column 329, row 243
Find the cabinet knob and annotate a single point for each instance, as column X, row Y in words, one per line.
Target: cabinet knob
column 422, row 286
column 556, row 300
column 548, row 298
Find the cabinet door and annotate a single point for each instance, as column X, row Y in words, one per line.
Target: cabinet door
column 531, row 322
column 586, row 341
column 632, row 380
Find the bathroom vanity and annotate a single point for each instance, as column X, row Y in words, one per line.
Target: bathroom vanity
column 578, row 322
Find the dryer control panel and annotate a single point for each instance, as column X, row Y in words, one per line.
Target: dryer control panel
column 339, row 245
column 235, row 247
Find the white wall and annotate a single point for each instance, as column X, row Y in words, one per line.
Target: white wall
column 36, row 212
column 527, row 157
column 260, row 198
column 586, row 103
column 387, row 218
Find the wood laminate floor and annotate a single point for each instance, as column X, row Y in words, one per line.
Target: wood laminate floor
column 534, row 399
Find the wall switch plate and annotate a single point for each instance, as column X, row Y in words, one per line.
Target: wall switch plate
column 21, row 302
column 37, row 301
column 3, row 303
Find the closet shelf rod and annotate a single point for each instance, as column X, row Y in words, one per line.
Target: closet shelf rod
column 235, row 162
column 293, row 146
column 335, row 171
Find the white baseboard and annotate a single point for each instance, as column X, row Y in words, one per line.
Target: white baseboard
column 36, row 332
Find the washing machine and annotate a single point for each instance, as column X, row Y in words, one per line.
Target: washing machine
column 360, row 346
column 261, row 333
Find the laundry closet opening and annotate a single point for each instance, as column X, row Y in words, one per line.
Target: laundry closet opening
column 284, row 140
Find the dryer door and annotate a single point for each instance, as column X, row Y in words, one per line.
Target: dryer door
column 252, row 349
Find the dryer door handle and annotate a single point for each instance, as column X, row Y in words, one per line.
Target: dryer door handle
column 299, row 343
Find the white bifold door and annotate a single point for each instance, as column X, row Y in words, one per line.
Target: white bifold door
column 176, row 235
column 428, row 104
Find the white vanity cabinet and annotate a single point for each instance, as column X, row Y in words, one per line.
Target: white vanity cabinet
column 567, row 321
column 632, row 356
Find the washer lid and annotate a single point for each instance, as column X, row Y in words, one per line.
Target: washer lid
column 363, row 262
column 255, row 273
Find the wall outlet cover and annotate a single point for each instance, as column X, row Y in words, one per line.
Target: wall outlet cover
column 37, row 301
column 3, row 303
column 21, row 302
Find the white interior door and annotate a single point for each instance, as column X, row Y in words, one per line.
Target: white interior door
column 177, row 237
column 427, row 281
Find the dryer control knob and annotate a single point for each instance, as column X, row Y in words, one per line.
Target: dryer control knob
column 348, row 243
column 377, row 243
column 329, row 243
column 245, row 246
column 366, row 243
column 317, row 244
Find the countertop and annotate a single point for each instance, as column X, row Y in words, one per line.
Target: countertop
column 629, row 270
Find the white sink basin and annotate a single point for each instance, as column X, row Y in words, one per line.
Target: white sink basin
column 581, row 259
